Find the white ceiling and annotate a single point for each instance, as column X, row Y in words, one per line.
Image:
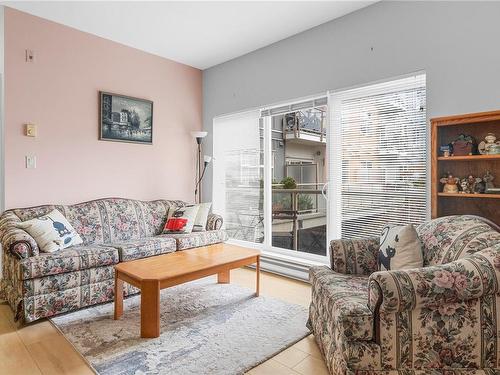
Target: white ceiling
column 200, row 34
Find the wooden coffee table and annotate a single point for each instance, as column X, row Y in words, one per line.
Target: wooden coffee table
column 162, row 271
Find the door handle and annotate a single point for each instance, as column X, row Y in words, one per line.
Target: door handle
column 324, row 189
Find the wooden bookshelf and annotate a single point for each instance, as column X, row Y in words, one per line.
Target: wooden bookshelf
column 443, row 131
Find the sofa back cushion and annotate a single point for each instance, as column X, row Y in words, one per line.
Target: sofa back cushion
column 87, row 221
column 448, row 238
column 110, row 220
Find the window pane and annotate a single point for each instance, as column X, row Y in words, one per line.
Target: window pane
column 299, row 209
column 383, row 153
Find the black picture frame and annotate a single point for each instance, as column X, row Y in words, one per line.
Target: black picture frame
column 124, row 118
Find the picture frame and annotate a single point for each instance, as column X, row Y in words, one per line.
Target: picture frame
column 125, row 118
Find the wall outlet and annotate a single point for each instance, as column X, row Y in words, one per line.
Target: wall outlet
column 30, row 130
column 30, row 55
column 30, row 161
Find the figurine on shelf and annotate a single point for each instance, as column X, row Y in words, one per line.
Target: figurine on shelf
column 446, row 150
column 464, row 145
column 472, row 181
column 488, row 180
column 450, row 183
column 479, row 186
column 466, row 186
column 489, row 145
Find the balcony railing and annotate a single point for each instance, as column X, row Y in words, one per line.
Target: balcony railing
column 314, row 131
column 301, row 208
column 298, row 216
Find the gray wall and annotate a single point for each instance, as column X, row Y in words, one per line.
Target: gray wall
column 456, row 43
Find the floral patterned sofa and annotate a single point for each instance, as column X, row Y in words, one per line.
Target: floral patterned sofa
column 443, row 318
column 38, row 285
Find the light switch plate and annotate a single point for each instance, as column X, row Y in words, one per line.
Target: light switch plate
column 30, row 130
column 30, row 161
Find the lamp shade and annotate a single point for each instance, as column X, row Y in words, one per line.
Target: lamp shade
column 198, row 134
column 207, row 159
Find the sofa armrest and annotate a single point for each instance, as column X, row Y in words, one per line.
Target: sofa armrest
column 16, row 240
column 214, row 222
column 467, row 278
column 355, row 257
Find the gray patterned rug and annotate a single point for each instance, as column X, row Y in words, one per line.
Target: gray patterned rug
column 206, row 328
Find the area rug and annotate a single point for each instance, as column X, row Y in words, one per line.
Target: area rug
column 206, row 328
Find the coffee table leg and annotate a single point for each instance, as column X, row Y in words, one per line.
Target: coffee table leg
column 150, row 308
column 224, row 277
column 257, row 272
column 118, row 296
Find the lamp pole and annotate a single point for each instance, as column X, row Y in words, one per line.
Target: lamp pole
column 198, row 135
column 198, row 178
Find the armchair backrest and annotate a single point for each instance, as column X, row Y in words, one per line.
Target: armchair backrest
column 110, row 219
column 449, row 238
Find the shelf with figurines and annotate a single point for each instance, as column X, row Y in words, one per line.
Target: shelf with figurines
column 469, row 187
column 464, row 147
column 465, row 160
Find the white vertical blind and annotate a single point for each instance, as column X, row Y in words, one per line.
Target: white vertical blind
column 238, row 150
column 379, row 156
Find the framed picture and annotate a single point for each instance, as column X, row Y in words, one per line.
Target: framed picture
column 125, row 119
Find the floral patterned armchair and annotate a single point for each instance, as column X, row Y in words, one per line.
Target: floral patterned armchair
column 443, row 318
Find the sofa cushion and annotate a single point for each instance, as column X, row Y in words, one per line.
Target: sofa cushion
column 197, row 239
column 449, row 238
column 87, row 221
column 144, row 247
column 120, row 218
column 342, row 302
column 152, row 216
column 67, row 260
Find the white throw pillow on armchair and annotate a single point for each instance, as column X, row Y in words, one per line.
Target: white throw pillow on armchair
column 400, row 248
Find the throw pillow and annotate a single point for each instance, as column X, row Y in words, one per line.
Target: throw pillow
column 400, row 248
column 200, row 223
column 182, row 220
column 51, row 232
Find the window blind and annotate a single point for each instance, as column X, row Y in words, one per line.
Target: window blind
column 238, row 174
column 378, row 143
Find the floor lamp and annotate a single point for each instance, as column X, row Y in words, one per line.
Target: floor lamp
column 198, row 135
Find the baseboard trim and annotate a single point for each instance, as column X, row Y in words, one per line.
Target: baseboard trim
column 297, row 271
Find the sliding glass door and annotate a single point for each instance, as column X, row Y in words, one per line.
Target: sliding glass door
column 290, row 178
column 298, row 222
column 270, row 171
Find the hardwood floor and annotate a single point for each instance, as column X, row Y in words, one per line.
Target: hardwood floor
column 39, row 348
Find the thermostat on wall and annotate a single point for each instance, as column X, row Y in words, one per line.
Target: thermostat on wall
column 30, row 130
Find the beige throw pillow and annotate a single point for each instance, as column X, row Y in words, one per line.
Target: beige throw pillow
column 400, row 248
column 200, row 223
column 51, row 232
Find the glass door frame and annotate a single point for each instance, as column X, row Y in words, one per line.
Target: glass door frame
column 268, row 230
column 266, row 247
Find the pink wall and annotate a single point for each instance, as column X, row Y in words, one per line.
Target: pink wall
column 59, row 93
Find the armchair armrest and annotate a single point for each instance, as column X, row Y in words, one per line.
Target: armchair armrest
column 16, row 240
column 214, row 222
column 467, row 278
column 354, row 257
